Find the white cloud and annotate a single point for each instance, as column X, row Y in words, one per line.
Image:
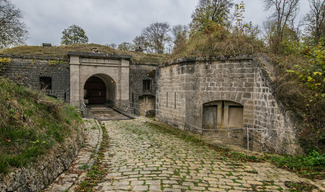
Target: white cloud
column 111, row 21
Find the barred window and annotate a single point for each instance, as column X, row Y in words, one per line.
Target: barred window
column 146, row 85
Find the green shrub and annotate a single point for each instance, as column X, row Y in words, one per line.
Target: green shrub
column 311, row 165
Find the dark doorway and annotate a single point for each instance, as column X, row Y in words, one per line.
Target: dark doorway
column 95, row 91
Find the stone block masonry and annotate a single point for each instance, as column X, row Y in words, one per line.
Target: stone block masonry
column 50, row 75
column 229, row 97
column 113, row 70
column 142, row 88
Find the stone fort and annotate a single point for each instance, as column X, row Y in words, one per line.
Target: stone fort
column 229, row 98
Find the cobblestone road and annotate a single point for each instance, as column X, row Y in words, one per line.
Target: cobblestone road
column 103, row 113
column 145, row 159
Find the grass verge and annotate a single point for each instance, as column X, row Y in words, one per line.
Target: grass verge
column 99, row 170
column 61, row 52
column 310, row 166
column 31, row 124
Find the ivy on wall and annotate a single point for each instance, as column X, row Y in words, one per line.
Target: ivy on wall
column 4, row 62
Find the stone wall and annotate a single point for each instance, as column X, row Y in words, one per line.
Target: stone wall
column 29, row 70
column 238, row 88
column 45, row 169
column 112, row 69
column 140, row 95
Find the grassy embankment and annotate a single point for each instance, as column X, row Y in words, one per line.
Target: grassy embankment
column 61, row 52
column 31, row 124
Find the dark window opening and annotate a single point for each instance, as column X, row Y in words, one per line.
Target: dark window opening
column 146, row 85
column 46, row 83
column 175, row 101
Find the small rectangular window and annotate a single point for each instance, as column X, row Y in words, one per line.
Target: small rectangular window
column 45, row 83
column 146, row 85
column 175, row 101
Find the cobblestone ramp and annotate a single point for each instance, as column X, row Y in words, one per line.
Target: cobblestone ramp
column 77, row 171
column 145, row 159
column 103, row 113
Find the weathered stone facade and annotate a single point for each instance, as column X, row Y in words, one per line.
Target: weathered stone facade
column 238, row 88
column 113, row 70
column 143, row 88
column 231, row 97
column 29, row 71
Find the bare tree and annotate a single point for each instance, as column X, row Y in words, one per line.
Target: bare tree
column 156, row 36
column 180, row 34
column 315, row 20
column 284, row 13
column 12, row 30
column 140, row 42
column 112, row 45
column 125, row 46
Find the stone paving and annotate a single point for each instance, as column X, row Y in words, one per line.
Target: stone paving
column 103, row 113
column 144, row 159
column 76, row 173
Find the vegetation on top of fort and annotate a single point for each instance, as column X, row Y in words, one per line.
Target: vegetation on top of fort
column 299, row 60
column 31, row 124
column 61, row 52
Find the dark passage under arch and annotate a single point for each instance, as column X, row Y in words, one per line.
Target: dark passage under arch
column 95, row 91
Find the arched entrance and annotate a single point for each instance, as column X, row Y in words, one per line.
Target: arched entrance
column 95, row 91
column 99, row 89
column 113, row 70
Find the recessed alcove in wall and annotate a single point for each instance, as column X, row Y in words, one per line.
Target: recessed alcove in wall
column 146, row 104
column 222, row 114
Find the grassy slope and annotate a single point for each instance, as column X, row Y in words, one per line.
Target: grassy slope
column 30, row 124
column 61, row 52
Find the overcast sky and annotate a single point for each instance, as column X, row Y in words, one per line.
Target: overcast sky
column 115, row 21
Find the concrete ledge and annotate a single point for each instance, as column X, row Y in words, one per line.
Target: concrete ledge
column 98, row 55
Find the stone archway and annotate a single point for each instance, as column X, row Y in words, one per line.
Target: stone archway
column 95, row 91
column 101, row 69
column 100, row 89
